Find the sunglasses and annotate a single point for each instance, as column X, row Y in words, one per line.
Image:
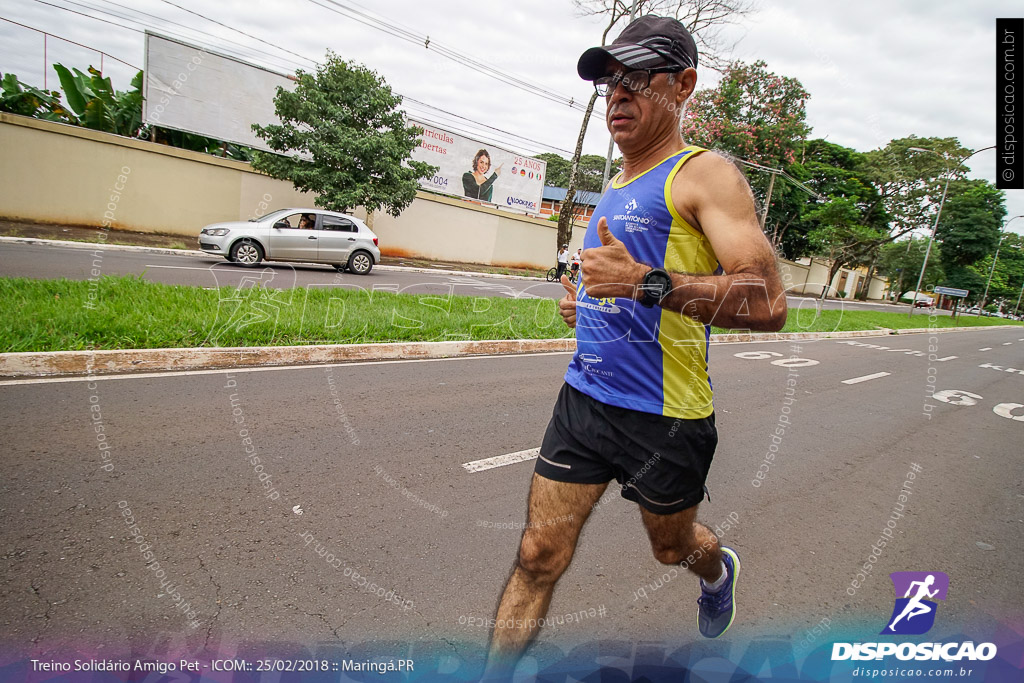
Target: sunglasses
column 632, row 81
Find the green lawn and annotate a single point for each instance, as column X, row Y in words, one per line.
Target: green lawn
column 129, row 312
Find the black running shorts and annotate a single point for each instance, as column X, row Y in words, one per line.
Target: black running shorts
column 661, row 462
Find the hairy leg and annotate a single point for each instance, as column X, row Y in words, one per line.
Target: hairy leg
column 678, row 536
column 556, row 514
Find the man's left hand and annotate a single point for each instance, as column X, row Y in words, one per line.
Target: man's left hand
column 609, row 271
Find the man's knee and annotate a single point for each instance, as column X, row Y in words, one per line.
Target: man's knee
column 542, row 558
column 687, row 549
column 669, row 554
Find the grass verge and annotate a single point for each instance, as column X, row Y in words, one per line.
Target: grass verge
column 129, row 312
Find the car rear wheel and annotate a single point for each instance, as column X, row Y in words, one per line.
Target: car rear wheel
column 360, row 263
column 247, row 252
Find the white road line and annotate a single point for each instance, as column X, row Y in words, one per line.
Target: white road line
column 987, row 348
column 221, row 371
column 1007, row 343
column 501, row 460
column 153, row 265
column 865, row 378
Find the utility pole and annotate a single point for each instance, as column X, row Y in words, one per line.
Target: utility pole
column 611, row 138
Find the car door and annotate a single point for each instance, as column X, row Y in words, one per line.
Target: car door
column 293, row 243
column 337, row 238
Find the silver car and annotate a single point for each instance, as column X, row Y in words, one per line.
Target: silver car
column 304, row 235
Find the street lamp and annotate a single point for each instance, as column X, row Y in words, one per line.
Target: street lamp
column 984, row 297
column 942, row 201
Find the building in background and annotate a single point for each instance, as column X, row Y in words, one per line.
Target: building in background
column 551, row 205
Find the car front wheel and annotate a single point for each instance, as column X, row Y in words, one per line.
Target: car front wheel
column 247, row 252
column 360, row 263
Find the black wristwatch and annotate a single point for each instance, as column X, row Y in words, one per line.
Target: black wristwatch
column 656, row 285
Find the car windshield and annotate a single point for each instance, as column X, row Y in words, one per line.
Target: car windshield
column 267, row 215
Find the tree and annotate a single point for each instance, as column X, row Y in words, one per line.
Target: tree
column 704, row 19
column 909, row 182
column 828, row 170
column 1008, row 275
column 901, row 261
column 343, row 137
column 971, row 221
column 752, row 114
column 842, row 234
column 589, row 172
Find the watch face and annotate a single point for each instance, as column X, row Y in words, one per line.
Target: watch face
column 656, row 286
column 660, row 278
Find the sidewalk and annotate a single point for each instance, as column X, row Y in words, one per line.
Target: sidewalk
column 124, row 361
column 69, row 235
column 83, row 237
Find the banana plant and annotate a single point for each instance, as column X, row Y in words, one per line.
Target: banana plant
column 97, row 105
column 18, row 98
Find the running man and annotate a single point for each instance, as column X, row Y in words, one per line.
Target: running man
column 915, row 607
column 676, row 247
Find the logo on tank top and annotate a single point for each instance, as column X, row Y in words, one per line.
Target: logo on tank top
column 634, row 222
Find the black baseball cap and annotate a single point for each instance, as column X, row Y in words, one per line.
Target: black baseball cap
column 650, row 42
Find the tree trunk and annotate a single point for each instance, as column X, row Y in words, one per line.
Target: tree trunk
column 569, row 204
column 836, row 265
column 865, row 285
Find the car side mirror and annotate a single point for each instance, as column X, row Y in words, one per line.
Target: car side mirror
column 281, row 225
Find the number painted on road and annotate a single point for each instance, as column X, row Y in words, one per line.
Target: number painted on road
column 794, row 362
column 1006, row 410
column 756, row 355
column 956, row 397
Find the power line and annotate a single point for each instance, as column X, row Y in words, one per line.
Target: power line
column 184, row 9
column 517, row 139
column 404, row 97
column 499, row 130
column 67, row 40
column 458, row 57
column 145, row 25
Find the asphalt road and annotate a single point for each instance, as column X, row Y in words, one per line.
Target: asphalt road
column 53, row 261
column 371, row 454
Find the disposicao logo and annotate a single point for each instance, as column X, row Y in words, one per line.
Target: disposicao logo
column 914, row 614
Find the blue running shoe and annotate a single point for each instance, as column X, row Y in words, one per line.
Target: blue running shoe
column 715, row 611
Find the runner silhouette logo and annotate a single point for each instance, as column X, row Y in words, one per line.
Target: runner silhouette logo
column 916, row 592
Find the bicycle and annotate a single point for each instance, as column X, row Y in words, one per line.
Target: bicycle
column 552, row 275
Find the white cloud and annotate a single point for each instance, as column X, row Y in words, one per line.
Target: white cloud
column 924, row 68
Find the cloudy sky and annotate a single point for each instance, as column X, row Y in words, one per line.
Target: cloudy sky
column 875, row 70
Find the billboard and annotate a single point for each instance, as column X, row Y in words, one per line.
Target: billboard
column 473, row 169
column 192, row 89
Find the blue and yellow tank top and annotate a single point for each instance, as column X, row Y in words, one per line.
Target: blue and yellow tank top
column 647, row 359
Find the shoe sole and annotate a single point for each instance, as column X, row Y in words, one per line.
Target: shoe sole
column 735, row 579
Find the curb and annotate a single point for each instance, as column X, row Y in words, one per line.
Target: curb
column 92, row 246
column 122, row 361
column 119, row 361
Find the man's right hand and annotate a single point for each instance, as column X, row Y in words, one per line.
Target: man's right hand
column 567, row 304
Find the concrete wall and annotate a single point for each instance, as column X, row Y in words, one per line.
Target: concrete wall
column 55, row 173
column 808, row 276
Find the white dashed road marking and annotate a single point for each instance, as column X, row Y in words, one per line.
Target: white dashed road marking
column 987, row 348
column 1007, row 343
column 865, row 378
column 501, row 460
